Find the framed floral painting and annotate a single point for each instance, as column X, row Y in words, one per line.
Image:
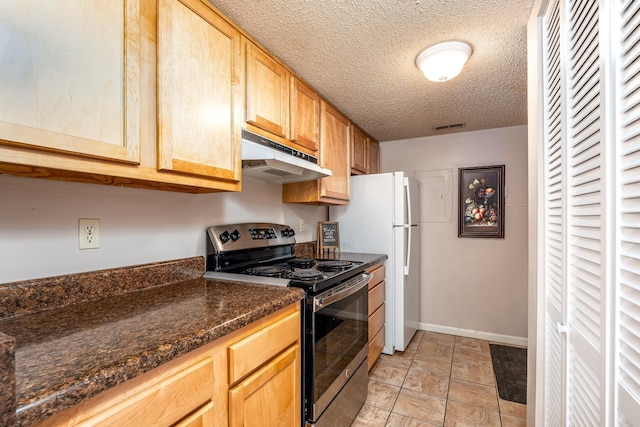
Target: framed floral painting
column 481, row 201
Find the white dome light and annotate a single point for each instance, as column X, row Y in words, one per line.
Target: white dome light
column 443, row 61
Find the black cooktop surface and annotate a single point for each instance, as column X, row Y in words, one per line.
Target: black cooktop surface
column 311, row 274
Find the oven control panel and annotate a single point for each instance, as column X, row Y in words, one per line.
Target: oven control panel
column 263, row 233
column 233, row 237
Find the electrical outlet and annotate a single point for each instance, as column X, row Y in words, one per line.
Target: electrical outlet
column 302, row 225
column 88, row 233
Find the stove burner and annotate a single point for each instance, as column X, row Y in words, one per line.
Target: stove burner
column 306, row 275
column 302, row 262
column 268, row 271
column 334, row 265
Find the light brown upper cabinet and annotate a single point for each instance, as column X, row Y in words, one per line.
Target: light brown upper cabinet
column 359, row 151
column 69, row 78
column 365, row 153
column 139, row 93
column 374, row 156
column 199, row 67
column 305, row 117
column 267, row 94
column 335, row 136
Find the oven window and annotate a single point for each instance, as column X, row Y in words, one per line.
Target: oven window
column 340, row 332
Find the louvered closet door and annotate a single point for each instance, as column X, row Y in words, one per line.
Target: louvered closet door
column 629, row 218
column 555, row 299
column 586, row 275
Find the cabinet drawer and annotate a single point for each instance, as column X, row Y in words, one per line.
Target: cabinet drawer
column 376, row 321
column 189, row 389
column 203, row 417
column 376, row 297
column 378, row 276
column 250, row 353
column 375, row 348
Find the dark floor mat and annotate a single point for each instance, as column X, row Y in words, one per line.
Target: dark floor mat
column 510, row 368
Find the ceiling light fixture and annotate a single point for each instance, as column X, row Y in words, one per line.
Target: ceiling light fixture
column 443, row 61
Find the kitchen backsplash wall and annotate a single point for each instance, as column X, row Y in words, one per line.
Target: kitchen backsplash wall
column 471, row 286
column 39, row 223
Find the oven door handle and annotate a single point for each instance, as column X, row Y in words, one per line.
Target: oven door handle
column 341, row 291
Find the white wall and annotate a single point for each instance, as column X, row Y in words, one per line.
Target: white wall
column 39, row 223
column 471, row 286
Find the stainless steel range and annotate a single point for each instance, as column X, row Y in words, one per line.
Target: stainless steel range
column 335, row 312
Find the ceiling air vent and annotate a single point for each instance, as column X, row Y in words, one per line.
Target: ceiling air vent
column 451, row 126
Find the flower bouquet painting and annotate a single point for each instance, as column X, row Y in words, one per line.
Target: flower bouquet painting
column 481, row 202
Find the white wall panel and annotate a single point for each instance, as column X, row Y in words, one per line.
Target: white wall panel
column 471, row 286
column 39, row 223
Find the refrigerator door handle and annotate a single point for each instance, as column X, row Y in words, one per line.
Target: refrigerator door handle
column 406, row 265
column 407, row 193
column 408, row 241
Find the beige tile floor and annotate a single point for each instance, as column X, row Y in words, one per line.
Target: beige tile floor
column 440, row 380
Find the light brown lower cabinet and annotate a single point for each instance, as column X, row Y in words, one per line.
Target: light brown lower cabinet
column 268, row 397
column 249, row 377
column 376, row 313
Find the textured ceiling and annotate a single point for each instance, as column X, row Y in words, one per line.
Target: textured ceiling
column 360, row 55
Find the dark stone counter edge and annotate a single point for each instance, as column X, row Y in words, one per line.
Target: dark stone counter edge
column 40, row 408
column 7, row 380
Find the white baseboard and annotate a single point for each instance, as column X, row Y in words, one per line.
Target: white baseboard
column 487, row 336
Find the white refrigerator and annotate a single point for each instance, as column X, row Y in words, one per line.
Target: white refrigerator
column 383, row 217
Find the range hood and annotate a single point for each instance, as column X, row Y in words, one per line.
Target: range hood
column 268, row 160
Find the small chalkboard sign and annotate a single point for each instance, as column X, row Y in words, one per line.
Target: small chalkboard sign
column 328, row 236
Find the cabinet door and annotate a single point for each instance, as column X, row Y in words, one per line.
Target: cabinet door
column 374, row 157
column 267, row 92
column 198, row 91
column 359, row 151
column 69, row 77
column 271, row 396
column 305, row 116
column 335, row 154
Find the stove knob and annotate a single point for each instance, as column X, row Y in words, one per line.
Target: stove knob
column 288, row 232
column 235, row 235
column 224, row 237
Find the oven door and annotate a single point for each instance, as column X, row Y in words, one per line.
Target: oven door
column 336, row 344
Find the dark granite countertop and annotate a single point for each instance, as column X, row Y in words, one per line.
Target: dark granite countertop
column 71, row 352
column 67, row 338
column 369, row 259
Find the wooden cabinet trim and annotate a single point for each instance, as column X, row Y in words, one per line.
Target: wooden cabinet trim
column 204, row 170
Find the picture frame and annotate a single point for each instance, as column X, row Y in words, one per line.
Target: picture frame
column 328, row 236
column 481, row 201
